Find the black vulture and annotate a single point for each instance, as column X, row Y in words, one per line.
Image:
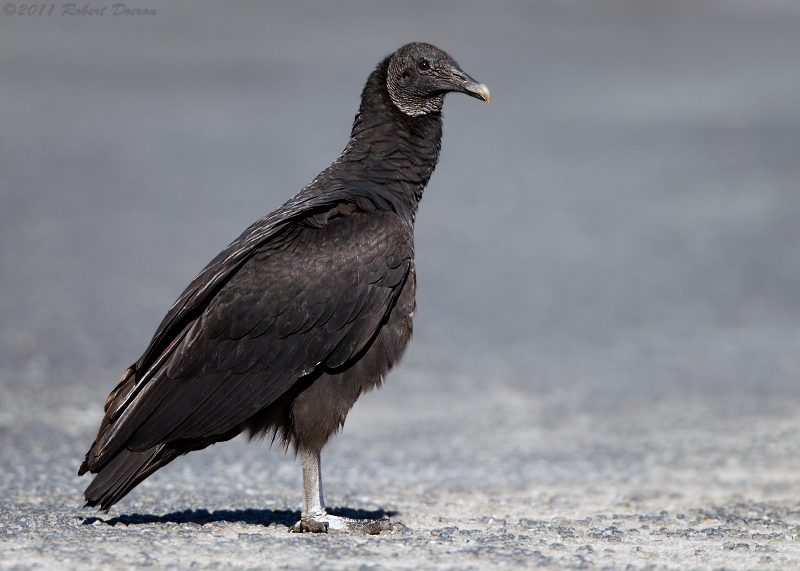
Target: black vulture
column 310, row 307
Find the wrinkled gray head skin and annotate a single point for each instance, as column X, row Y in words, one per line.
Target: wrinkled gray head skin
column 420, row 75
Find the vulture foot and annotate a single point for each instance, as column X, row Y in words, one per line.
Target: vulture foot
column 326, row 522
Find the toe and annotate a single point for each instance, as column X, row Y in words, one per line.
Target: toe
column 309, row 526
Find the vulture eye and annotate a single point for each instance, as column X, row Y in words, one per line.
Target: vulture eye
column 423, row 65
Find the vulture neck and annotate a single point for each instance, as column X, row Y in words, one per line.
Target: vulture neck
column 392, row 153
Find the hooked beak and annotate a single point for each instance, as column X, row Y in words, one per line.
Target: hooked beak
column 471, row 87
column 478, row 90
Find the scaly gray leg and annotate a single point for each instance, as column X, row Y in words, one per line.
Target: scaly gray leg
column 315, row 519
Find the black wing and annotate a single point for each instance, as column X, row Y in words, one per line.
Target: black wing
column 310, row 299
column 319, row 198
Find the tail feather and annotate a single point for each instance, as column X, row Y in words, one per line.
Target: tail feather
column 124, row 472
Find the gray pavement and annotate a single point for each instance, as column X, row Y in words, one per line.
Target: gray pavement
column 605, row 366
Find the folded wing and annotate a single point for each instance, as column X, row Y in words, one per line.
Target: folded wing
column 310, row 300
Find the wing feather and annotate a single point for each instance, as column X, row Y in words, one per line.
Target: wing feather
column 317, row 301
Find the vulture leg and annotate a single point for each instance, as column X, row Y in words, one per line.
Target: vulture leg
column 315, row 519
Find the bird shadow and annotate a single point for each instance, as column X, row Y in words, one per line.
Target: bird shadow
column 264, row 518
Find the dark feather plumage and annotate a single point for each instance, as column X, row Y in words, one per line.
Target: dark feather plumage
column 307, row 309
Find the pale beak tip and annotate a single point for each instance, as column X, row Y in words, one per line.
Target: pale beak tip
column 481, row 91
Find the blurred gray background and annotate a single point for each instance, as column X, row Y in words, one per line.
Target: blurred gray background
column 607, row 255
column 625, row 210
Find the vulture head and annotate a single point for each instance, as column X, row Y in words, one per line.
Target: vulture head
column 420, row 75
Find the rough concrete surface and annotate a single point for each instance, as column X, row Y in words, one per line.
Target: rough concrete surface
column 604, row 373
